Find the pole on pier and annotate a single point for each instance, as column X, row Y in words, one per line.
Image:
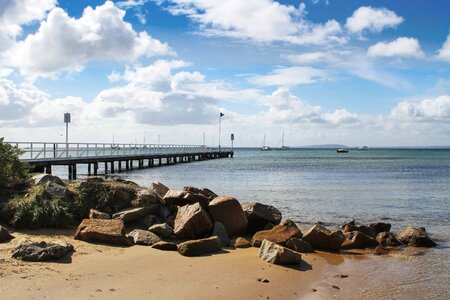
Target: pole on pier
column 220, row 123
column 67, row 121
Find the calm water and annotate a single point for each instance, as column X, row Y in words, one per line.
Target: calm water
column 403, row 187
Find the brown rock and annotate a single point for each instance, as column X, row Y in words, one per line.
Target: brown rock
column 181, row 198
column 203, row 191
column 360, row 228
column 44, row 178
column 288, row 222
column 299, row 245
column 322, row 238
column 259, row 215
column 133, row 214
column 416, row 237
column 200, row 247
column 358, row 240
column 102, row 231
column 380, row 227
column 276, row 254
column 5, row 236
column 162, row 230
column 192, row 222
column 228, row 211
column 387, row 239
column 146, row 198
column 165, row 246
column 279, row 234
column 380, row 250
column 95, row 214
column 241, row 242
column 159, row 188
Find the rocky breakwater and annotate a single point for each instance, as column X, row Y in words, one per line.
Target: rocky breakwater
column 197, row 221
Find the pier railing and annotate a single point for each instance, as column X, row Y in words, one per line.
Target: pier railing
column 48, row 150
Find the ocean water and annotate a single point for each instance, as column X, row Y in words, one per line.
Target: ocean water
column 403, row 187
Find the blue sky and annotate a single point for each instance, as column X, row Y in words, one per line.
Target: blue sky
column 371, row 73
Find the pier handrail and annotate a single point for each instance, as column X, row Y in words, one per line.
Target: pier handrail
column 56, row 150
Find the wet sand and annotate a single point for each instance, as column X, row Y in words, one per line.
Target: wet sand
column 99, row 272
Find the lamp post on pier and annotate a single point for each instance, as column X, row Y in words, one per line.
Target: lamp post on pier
column 67, row 121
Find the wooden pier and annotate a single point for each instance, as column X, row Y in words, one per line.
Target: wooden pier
column 112, row 157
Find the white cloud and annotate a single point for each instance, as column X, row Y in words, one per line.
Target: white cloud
column 402, row 46
column 444, row 52
column 367, row 18
column 289, row 76
column 63, row 43
column 427, row 110
column 257, row 20
column 308, row 57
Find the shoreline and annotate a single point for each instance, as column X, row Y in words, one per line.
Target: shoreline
column 102, row 271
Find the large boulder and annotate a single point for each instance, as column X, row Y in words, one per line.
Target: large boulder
column 5, row 236
column 144, row 237
column 162, row 230
column 380, row 227
column 192, row 222
column 44, row 178
column 203, row 191
column 387, row 239
column 41, row 251
column 159, row 188
column 220, row 231
column 146, row 198
column 165, row 246
column 358, row 240
column 279, row 234
column 200, row 247
column 276, row 254
column 102, row 231
column 121, row 198
column 299, row 245
column 133, row 214
column 416, row 237
column 259, row 215
column 228, row 211
column 322, row 238
column 95, row 214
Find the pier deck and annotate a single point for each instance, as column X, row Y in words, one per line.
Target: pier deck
column 113, row 157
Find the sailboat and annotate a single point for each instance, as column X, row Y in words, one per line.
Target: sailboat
column 283, row 147
column 264, row 147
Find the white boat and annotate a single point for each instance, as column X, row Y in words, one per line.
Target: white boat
column 283, row 147
column 264, row 147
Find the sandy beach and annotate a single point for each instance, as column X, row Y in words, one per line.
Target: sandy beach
column 103, row 272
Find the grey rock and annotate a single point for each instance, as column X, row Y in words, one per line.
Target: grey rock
column 133, row 214
column 5, row 236
column 220, row 231
column 144, row 237
column 162, row 230
column 95, row 214
column 203, row 191
column 276, row 254
column 200, row 247
column 41, row 251
column 146, row 198
column 44, row 178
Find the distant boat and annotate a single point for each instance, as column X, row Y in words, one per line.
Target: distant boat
column 363, row 148
column 264, row 147
column 283, row 147
column 342, row 150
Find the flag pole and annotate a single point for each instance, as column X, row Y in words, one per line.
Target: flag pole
column 220, row 123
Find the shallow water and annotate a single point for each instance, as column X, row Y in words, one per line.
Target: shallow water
column 402, row 187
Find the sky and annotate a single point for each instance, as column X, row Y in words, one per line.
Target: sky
column 373, row 73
